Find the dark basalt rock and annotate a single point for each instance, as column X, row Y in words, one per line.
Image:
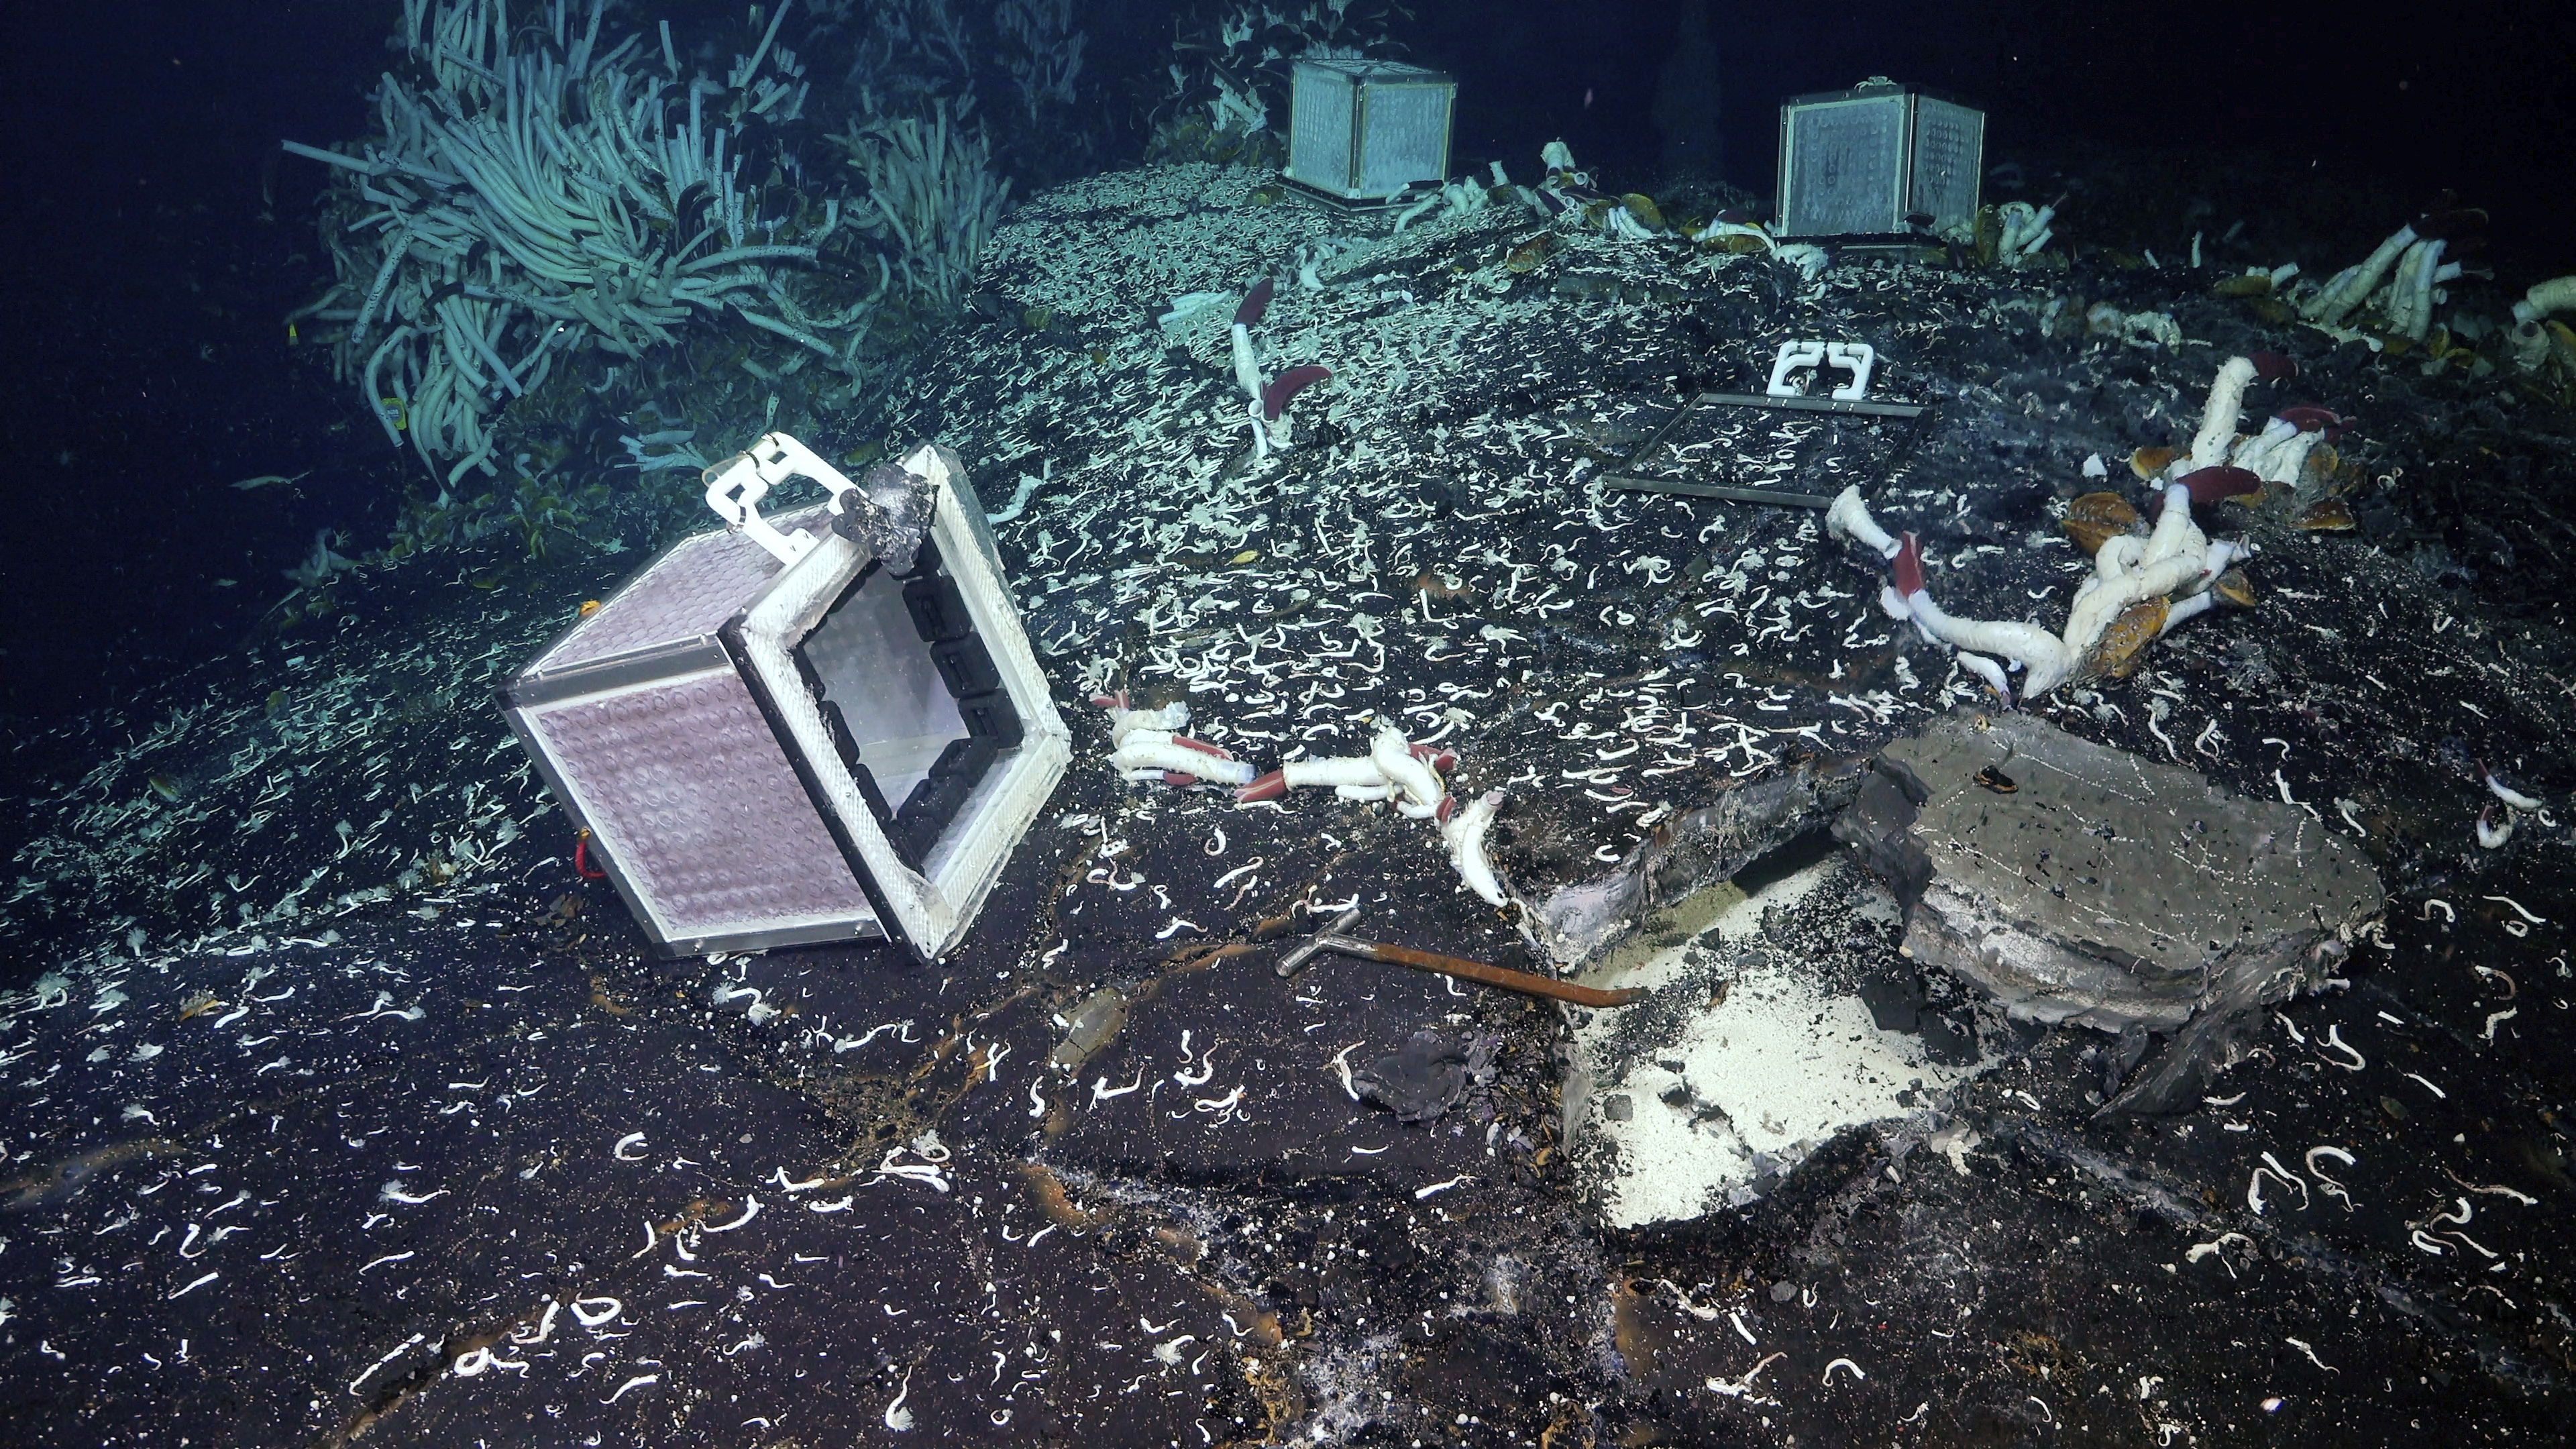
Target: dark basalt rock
column 1417, row 1081
column 2108, row 890
column 889, row 515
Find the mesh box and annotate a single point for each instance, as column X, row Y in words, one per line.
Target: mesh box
column 780, row 735
column 1364, row 130
column 1859, row 162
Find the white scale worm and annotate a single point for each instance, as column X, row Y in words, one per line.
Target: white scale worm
column 545, row 1328
column 594, row 1312
column 2327, row 1184
column 2525, row 1199
column 2517, row 909
column 210, row 1277
column 637, row 1382
column 1741, row 1388
column 398, row 1351
column 925, row 1174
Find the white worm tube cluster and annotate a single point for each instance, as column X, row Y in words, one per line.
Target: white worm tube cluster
column 2176, row 561
column 1395, row 769
column 2349, row 288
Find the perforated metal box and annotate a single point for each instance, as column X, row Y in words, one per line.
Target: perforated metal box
column 1364, row 130
column 775, row 739
column 1859, row 162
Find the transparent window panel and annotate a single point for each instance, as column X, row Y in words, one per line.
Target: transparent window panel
column 875, row 669
column 1845, row 158
column 1407, row 140
column 1949, row 145
column 1319, row 149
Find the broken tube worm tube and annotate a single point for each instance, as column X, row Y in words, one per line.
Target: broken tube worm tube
column 1464, row 832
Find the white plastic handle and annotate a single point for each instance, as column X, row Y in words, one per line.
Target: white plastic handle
column 735, row 488
column 1857, row 358
column 1860, row 359
column 1793, row 355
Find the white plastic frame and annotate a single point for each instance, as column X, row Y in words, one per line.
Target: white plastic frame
column 934, row 906
column 736, row 486
column 1857, row 358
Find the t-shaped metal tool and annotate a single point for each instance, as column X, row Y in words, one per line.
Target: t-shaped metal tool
column 1528, row 983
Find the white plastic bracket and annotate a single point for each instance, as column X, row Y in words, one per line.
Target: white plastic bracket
column 736, row 486
column 1793, row 355
column 1857, row 358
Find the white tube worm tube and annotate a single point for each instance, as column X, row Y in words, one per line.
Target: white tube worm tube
column 2217, row 435
column 2558, row 294
column 1124, row 722
column 1247, row 368
column 1850, row 518
column 2102, row 598
column 2044, row 658
column 1337, row 771
column 2173, row 526
column 2189, row 608
column 1142, row 753
column 1464, row 833
column 2352, row 287
column 2410, row 299
column 2284, row 463
column 1394, row 760
column 1989, row 671
column 2255, row 454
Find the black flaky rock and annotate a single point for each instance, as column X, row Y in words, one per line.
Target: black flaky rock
column 1418, row 1080
column 889, row 516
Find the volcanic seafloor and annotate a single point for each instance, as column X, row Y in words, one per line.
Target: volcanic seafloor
column 339, row 1106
